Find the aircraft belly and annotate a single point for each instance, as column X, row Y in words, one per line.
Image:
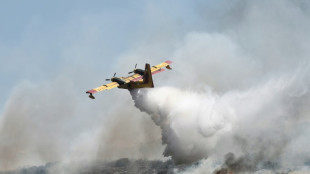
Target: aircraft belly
column 124, row 86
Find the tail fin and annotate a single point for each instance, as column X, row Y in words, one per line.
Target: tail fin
column 147, row 77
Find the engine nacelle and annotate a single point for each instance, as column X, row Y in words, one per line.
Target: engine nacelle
column 139, row 71
column 118, row 80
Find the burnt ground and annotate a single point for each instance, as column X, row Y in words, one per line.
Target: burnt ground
column 120, row 166
column 128, row 166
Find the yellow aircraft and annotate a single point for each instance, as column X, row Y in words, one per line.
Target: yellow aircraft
column 140, row 79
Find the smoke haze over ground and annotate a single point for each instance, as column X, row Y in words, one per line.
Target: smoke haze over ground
column 236, row 100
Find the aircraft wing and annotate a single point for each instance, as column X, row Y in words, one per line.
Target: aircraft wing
column 155, row 69
column 103, row 87
column 160, row 67
column 132, row 78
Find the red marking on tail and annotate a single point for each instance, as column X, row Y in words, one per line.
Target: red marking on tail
column 169, row 61
column 91, row 91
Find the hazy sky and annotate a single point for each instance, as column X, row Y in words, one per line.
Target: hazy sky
column 40, row 40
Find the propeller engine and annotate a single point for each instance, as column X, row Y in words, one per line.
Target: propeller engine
column 137, row 71
column 134, row 69
column 111, row 78
column 118, row 80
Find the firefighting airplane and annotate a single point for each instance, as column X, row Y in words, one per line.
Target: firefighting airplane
column 140, row 79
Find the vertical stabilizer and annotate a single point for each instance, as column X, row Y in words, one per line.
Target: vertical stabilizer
column 147, row 77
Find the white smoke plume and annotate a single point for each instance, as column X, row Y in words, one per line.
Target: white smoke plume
column 257, row 124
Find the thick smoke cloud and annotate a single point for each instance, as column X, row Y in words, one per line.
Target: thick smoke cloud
column 35, row 131
column 260, row 121
column 29, row 134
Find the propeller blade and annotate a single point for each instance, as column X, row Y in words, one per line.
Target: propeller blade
column 136, row 65
column 108, row 79
column 114, row 74
column 130, row 72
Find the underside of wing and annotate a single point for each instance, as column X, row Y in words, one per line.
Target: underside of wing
column 154, row 70
column 103, row 87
